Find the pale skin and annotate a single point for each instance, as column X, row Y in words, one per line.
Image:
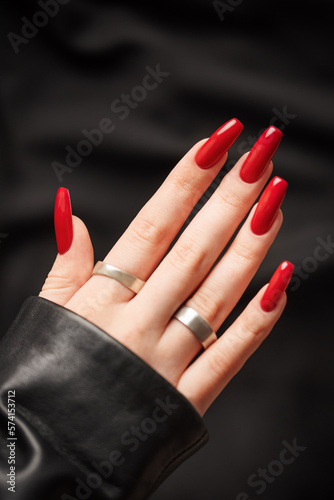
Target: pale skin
column 143, row 322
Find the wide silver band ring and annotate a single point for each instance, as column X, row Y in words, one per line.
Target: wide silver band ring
column 126, row 279
column 197, row 324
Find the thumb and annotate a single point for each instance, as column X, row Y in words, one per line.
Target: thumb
column 75, row 260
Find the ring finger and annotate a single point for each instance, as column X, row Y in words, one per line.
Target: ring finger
column 223, row 287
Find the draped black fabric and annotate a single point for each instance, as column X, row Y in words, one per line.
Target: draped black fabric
column 154, row 78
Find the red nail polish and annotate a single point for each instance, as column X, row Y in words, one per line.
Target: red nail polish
column 260, row 155
column 277, row 286
column 63, row 220
column 268, row 206
column 217, row 145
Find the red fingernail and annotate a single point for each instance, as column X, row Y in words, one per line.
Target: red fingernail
column 63, row 220
column 217, row 145
column 277, row 286
column 268, row 206
column 260, row 155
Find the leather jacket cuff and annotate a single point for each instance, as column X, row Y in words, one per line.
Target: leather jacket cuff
column 120, row 425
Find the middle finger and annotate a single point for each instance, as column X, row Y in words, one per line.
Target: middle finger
column 191, row 258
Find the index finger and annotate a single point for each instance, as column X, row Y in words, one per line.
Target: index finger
column 148, row 237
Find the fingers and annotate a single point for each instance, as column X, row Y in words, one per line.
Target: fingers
column 192, row 257
column 74, row 263
column 149, row 236
column 203, row 381
column 224, row 286
column 220, row 291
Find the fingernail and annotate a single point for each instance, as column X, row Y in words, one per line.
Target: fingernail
column 260, row 155
column 217, row 145
column 277, row 286
column 63, row 220
column 268, row 206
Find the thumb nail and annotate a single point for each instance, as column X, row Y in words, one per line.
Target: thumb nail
column 63, row 220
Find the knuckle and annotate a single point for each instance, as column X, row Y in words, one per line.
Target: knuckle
column 250, row 326
column 146, row 230
column 228, row 197
column 218, row 364
column 186, row 256
column 245, row 251
column 60, row 283
column 182, row 183
column 208, row 304
column 185, row 187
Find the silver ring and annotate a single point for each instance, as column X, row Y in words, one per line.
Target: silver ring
column 197, row 324
column 126, row 279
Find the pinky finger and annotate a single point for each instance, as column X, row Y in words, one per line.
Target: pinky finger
column 204, row 380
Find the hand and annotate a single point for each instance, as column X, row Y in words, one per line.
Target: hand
column 143, row 322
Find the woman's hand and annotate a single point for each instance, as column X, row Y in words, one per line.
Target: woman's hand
column 144, row 322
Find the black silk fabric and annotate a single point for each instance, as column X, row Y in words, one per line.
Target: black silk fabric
column 188, row 67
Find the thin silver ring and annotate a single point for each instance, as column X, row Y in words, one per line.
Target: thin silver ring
column 197, row 324
column 126, row 279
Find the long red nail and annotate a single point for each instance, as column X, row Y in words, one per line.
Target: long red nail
column 277, row 286
column 63, row 220
column 217, row 145
column 260, row 155
column 268, row 206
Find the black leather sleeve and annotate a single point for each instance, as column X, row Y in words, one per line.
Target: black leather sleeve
column 92, row 420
